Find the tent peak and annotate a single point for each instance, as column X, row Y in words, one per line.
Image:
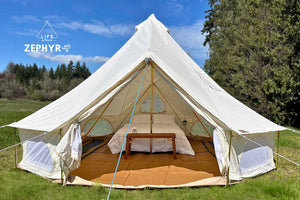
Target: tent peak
column 151, row 20
column 152, row 17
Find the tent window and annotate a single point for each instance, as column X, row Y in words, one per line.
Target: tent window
column 39, row 155
column 158, row 105
column 197, row 129
column 102, row 127
column 254, row 156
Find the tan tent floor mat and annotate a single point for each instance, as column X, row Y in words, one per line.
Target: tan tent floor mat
column 159, row 169
column 217, row 180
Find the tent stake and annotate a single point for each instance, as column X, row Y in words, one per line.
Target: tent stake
column 151, row 108
column 15, row 133
column 84, row 137
column 201, row 122
column 227, row 182
column 277, row 163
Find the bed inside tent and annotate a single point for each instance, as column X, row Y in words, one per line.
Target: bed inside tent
column 107, row 125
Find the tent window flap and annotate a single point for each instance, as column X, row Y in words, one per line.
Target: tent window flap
column 158, row 105
column 197, row 129
column 102, row 127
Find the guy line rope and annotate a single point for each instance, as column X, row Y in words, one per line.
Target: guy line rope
column 6, row 148
column 137, row 95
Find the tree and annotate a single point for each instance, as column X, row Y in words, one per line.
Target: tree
column 20, row 71
column 51, row 73
column 11, row 67
column 43, row 69
column 58, row 72
column 254, row 54
column 14, row 71
column 63, row 70
column 78, row 70
column 70, row 70
column 34, row 70
column 86, row 71
column 37, row 83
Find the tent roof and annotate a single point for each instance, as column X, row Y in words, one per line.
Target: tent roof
column 153, row 41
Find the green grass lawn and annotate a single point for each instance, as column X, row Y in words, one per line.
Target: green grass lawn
column 283, row 183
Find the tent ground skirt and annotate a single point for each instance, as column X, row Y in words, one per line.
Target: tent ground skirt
column 158, row 169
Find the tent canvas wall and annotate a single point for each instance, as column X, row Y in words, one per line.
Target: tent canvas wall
column 179, row 82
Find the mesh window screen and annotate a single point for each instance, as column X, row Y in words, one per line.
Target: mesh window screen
column 197, row 129
column 39, row 154
column 158, row 105
column 254, row 156
column 102, row 127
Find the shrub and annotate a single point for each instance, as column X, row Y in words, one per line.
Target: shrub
column 55, row 94
column 37, row 95
column 7, row 94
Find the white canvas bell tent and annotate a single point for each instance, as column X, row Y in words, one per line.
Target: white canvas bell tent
column 183, row 87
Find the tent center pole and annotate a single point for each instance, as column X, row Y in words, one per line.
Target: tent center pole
column 277, row 163
column 16, row 153
column 229, row 152
column 151, row 108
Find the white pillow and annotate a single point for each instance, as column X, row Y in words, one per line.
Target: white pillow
column 141, row 119
column 163, row 119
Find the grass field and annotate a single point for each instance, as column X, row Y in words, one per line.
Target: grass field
column 283, row 183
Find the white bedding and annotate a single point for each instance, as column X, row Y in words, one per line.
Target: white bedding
column 158, row 145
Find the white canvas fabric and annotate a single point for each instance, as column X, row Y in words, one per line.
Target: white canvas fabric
column 163, row 119
column 67, row 153
column 177, row 79
column 76, row 144
column 219, row 152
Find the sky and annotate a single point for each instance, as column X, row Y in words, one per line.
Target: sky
column 92, row 31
